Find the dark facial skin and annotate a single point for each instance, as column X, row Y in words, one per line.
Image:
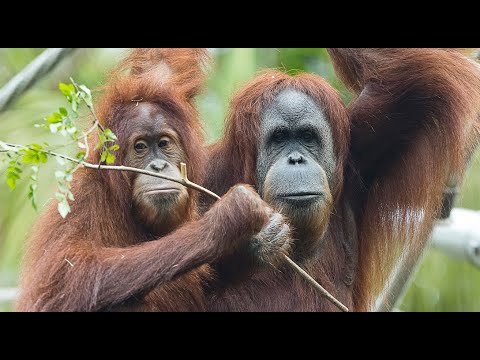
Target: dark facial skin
column 154, row 146
column 296, row 161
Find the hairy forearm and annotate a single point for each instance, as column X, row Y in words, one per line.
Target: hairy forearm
column 84, row 277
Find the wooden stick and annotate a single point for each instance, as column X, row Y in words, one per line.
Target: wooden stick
column 186, row 182
column 316, row 285
column 15, row 147
column 293, row 265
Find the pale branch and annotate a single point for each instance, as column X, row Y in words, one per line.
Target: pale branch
column 88, row 165
column 34, row 71
column 185, row 182
column 315, row 284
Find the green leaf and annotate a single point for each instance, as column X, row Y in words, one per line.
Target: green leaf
column 110, row 159
column 75, row 103
column 54, row 118
column 12, row 183
column 42, row 157
column 66, row 90
column 104, row 156
column 88, row 95
column 68, row 176
column 55, row 127
column 12, row 175
column 114, row 147
column 32, row 195
column 63, row 208
column 59, row 175
column 63, row 111
column 72, row 130
column 81, row 155
column 110, row 135
column 85, row 89
column 36, row 146
column 30, row 158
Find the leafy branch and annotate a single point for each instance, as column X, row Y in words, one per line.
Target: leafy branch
column 62, row 122
column 16, row 148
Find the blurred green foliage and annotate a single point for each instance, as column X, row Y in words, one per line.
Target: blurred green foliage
column 440, row 285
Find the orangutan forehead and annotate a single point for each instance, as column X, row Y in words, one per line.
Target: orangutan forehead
column 148, row 118
column 294, row 108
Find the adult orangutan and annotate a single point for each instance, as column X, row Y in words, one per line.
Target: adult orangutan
column 134, row 242
column 361, row 186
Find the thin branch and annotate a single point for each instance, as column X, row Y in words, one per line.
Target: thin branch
column 183, row 174
column 34, row 71
column 185, row 182
column 315, row 284
column 88, row 165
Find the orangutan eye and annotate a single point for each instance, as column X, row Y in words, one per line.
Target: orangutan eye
column 164, row 142
column 140, row 146
column 308, row 136
column 279, row 136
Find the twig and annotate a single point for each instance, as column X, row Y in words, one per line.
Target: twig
column 293, row 265
column 88, row 165
column 316, row 285
column 183, row 174
column 185, row 182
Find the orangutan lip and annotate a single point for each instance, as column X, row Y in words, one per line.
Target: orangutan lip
column 301, row 196
column 162, row 191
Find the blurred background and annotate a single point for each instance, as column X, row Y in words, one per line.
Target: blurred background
column 441, row 284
